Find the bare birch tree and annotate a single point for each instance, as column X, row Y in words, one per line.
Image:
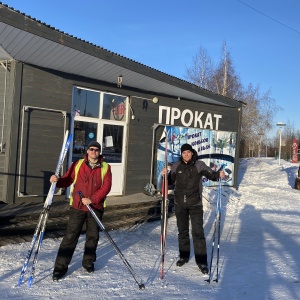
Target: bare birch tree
column 261, row 109
column 201, row 70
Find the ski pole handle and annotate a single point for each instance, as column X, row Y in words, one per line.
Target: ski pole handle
column 85, row 199
column 80, row 195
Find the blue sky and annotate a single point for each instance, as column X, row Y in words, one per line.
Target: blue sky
column 262, row 36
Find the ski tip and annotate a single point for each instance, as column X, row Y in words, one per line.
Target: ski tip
column 141, row 286
column 30, row 280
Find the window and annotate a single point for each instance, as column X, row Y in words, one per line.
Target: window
column 98, row 116
column 86, row 103
column 112, row 143
column 114, row 107
column 84, row 133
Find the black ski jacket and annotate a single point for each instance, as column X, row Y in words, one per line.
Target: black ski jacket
column 187, row 178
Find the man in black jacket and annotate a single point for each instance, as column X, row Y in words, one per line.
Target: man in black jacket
column 187, row 175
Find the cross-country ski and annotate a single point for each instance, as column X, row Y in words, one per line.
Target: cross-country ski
column 38, row 235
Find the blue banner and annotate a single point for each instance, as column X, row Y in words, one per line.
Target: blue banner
column 215, row 148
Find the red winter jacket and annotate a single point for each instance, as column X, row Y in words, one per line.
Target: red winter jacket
column 89, row 182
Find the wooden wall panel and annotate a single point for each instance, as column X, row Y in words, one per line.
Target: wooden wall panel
column 43, row 130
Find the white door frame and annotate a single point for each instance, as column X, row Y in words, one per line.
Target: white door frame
column 118, row 169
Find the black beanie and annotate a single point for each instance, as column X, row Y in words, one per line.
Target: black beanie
column 185, row 147
column 95, row 144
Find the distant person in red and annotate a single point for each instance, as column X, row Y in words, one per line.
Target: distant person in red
column 91, row 176
column 187, row 175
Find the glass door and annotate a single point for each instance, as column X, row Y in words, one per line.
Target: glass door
column 84, row 133
column 101, row 117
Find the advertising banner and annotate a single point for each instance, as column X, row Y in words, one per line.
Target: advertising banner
column 295, row 151
column 215, row 148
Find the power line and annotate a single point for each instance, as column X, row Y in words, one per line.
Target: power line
column 269, row 17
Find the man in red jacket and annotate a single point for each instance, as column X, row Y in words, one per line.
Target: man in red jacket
column 91, row 176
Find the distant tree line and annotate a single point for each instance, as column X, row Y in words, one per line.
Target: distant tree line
column 288, row 133
column 257, row 115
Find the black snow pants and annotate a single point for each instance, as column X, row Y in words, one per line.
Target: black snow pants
column 184, row 213
column 70, row 239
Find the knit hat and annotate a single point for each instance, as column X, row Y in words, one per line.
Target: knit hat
column 95, row 144
column 185, row 147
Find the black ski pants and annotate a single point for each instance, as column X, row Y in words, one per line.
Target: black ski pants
column 70, row 239
column 184, row 213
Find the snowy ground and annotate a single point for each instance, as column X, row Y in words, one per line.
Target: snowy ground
column 259, row 250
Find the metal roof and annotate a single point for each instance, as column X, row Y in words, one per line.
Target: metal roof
column 28, row 40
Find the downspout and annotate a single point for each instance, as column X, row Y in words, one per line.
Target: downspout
column 4, row 106
column 154, row 127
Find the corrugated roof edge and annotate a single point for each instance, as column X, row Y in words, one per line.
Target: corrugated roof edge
column 121, row 56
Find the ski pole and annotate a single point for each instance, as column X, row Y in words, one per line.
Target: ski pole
column 217, row 218
column 219, row 227
column 164, row 211
column 164, row 207
column 213, row 247
column 126, row 263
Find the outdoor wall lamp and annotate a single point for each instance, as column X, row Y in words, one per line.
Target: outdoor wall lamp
column 154, row 99
column 145, row 104
column 120, row 81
